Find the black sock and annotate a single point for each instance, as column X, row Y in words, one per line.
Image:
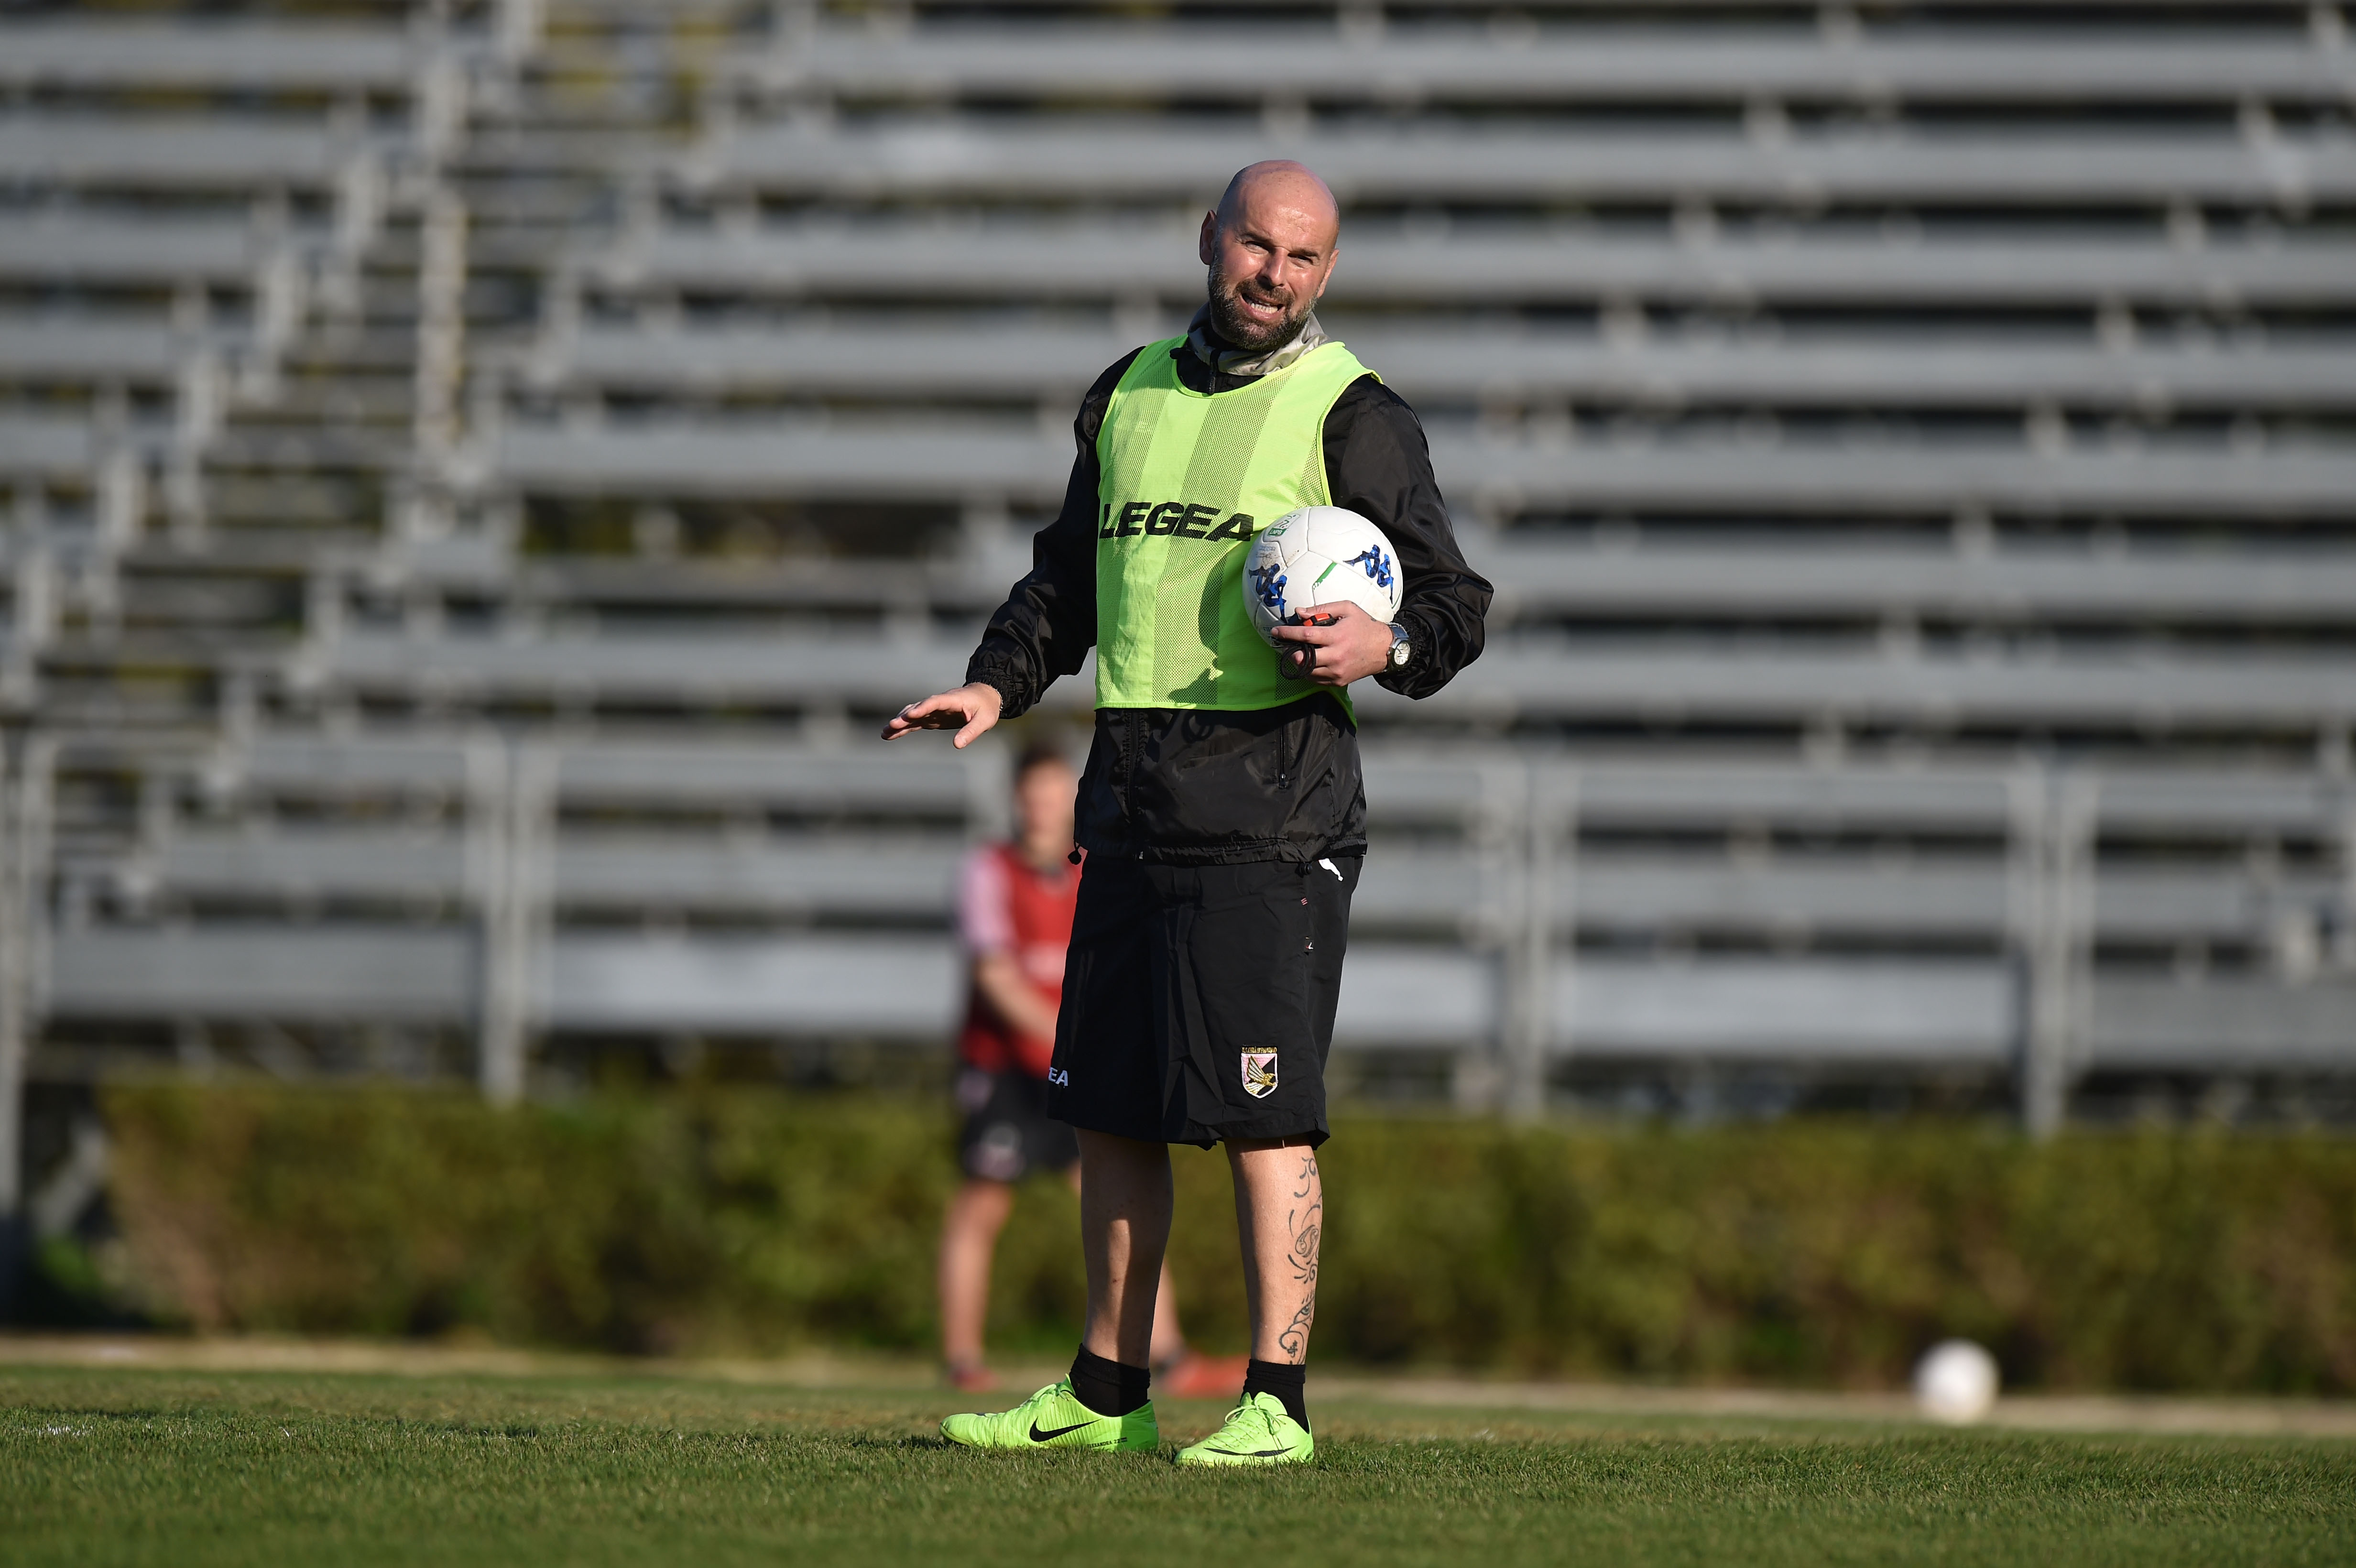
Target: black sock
column 1283, row 1381
column 1108, row 1388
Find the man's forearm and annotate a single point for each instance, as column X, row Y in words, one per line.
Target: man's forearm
column 1010, row 997
column 1049, row 621
column 1379, row 466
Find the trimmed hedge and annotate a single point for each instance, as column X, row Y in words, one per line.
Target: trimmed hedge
column 1814, row 1251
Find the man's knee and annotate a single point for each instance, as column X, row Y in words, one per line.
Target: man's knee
column 1106, row 1150
column 981, row 1201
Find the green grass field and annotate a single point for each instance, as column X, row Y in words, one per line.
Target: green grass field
column 107, row 1465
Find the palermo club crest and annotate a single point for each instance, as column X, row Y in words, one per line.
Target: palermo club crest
column 1260, row 1074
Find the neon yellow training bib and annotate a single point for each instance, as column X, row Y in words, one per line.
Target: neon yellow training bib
column 1188, row 478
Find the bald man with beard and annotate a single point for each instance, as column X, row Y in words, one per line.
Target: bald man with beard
column 1221, row 811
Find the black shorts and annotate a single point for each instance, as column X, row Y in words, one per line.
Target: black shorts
column 1007, row 1133
column 1198, row 1000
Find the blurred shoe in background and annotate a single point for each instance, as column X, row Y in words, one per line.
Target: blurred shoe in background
column 1197, row 1376
column 971, row 1377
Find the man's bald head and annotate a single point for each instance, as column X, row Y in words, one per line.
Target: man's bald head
column 1269, row 246
column 1280, row 184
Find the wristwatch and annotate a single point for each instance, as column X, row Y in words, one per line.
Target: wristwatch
column 1402, row 650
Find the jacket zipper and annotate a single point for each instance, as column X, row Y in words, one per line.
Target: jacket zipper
column 1132, row 743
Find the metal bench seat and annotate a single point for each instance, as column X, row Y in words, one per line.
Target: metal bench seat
column 1519, row 677
column 109, row 249
column 1622, row 793
column 1856, row 897
column 1892, row 1012
column 185, row 153
column 976, row 586
column 1846, row 894
column 693, row 669
column 1823, row 574
column 1528, row 680
column 216, row 54
column 2159, row 480
column 1841, row 265
column 1136, row 160
column 1574, row 64
column 1404, row 782
column 1542, row 573
column 62, row 447
column 952, row 461
column 704, row 773
column 737, row 455
column 1460, row 362
column 908, row 988
column 751, row 13
column 80, row 348
column 707, row 874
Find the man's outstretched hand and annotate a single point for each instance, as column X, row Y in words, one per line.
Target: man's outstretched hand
column 1354, row 647
column 969, row 711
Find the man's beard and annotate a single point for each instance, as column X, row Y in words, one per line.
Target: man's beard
column 1228, row 320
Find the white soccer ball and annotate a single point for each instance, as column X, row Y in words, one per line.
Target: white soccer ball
column 1319, row 555
column 1955, row 1382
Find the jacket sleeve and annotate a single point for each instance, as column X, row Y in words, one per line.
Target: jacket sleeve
column 1049, row 620
column 1378, row 466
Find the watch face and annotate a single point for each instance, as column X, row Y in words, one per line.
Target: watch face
column 1400, row 653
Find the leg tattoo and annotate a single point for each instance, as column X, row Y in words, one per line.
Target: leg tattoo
column 1304, row 1224
column 1294, row 1340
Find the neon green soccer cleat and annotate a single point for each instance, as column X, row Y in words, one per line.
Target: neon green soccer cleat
column 1053, row 1418
column 1258, row 1432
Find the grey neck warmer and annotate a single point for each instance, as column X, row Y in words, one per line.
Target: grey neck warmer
column 1228, row 360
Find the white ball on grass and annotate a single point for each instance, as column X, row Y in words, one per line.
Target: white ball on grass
column 1319, row 555
column 1955, row 1382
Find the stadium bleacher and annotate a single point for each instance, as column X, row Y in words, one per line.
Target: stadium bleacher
column 2173, row 261
column 1578, row 69
column 479, row 472
column 1933, row 371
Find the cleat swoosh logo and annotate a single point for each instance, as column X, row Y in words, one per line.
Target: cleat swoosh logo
column 1251, row 1452
column 1039, row 1437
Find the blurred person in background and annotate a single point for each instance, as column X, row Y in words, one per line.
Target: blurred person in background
column 1014, row 914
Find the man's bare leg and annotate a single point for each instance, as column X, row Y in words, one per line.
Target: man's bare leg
column 1169, row 1339
column 1169, row 1344
column 1125, row 1200
column 1280, row 1219
column 968, row 1236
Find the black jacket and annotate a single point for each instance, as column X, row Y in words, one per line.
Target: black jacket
column 1194, row 786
